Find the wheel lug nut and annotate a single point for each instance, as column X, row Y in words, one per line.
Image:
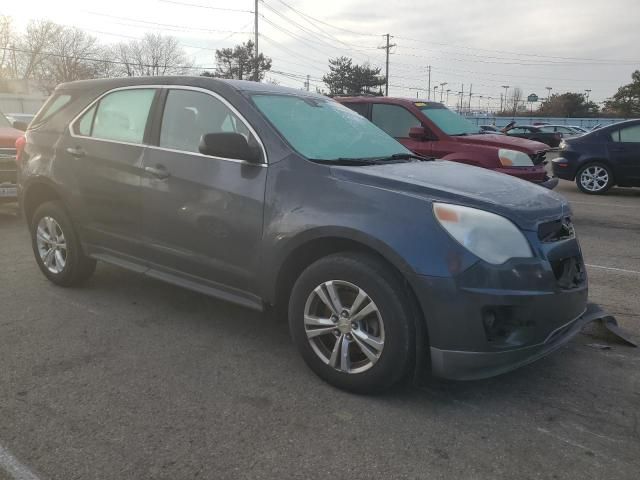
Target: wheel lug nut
column 336, row 333
column 354, row 325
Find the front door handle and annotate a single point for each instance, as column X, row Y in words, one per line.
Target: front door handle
column 159, row 171
column 77, row 152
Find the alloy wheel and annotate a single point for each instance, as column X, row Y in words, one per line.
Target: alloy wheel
column 52, row 246
column 594, row 178
column 344, row 326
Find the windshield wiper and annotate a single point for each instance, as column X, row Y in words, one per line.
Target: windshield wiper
column 395, row 158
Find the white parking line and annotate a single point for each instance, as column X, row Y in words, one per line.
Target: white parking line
column 613, row 269
column 608, row 205
column 13, row 467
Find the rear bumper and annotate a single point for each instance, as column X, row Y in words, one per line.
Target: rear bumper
column 460, row 365
column 563, row 168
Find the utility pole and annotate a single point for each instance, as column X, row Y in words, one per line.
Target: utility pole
column 549, row 92
column 306, row 84
column 588, row 92
column 442, row 85
column 429, row 85
column 447, row 102
column 256, row 74
column 470, row 95
column 506, row 91
column 461, row 92
column 387, row 48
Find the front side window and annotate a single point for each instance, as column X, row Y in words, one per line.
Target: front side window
column 627, row 135
column 449, row 122
column 322, row 129
column 394, row 119
column 120, row 116
column 188, row 115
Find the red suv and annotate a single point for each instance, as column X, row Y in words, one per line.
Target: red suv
column 431, row 129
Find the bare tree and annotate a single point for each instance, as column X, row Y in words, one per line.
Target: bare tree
column 70, row 56
column 7, row 65
column 153, row 55
column 515, row 100
column 107, row 64
column 33, row 45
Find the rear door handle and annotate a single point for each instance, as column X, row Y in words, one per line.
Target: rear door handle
column 159, row 171
column 76, row 152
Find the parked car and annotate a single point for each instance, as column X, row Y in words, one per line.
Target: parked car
column 8, row 168
column 490, row 129
column 20, row 121
column 564, row 130
column 530, row 132
column 431, row 129
column 602, row 158
column 386, row 262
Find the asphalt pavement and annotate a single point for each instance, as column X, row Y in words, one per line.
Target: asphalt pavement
column 130, row 378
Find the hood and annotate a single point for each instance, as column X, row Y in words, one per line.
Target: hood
column 503, row 141
column 524, row 203
column 8, row 137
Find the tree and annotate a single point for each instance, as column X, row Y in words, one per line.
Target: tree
column 568, row 104
column 240, row 63
column 7, row 66
column 32, row 47
column 347, row 78
column 626, row 101
column 70, row 56
column 514, row 101
column 155, row 54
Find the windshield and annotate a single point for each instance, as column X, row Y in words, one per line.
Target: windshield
column 322, row 129
column 4, row 122
column 449, row 122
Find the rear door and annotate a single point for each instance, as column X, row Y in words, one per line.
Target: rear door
column 104, row 153
column 202, row 215
column 397, row 121
column 624, row 152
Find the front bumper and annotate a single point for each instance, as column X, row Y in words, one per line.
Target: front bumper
column 476, row 365
column 536, row 174
column 488, row 319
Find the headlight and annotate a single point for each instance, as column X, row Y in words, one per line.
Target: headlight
column 489, row 236
column 563, row 145
column 513, row 158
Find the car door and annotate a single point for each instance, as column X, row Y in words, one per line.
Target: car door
column 202, row 215
column 624, row 152
column 397, row 121
column 104, row 153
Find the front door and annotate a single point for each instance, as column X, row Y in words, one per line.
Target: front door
column 397, row 121
column 104, row 154
column 624, row 152
column 202, row 215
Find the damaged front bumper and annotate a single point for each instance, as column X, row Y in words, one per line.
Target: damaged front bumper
column 465, row 365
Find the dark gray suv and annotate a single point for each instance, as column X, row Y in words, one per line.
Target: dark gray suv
column 388, row 264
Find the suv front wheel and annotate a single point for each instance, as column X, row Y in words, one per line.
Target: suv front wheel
column 57, row 248
column 352, row 322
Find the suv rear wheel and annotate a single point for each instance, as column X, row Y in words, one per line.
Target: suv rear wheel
column 352, row 322
column 56, row 246
column 594, row 178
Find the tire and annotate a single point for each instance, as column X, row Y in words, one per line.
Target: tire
column 66, row 264
column 589, row 184
column 382, row 322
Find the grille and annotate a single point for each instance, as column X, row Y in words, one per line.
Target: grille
column 538, row 157
column 561, row 229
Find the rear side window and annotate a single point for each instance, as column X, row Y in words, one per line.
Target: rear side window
column 627, row 135
column 119, row 116
column 55, row 103
column 394, row 119
column 361, row 108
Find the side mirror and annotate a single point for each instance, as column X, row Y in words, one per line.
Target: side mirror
column 228, row 145
column 421, row 133
column 18, row 125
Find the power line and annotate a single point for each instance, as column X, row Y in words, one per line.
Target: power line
column 205, row 6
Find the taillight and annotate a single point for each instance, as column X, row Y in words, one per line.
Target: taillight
column 20, row 144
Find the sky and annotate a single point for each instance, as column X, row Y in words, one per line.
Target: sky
column 568, row 45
